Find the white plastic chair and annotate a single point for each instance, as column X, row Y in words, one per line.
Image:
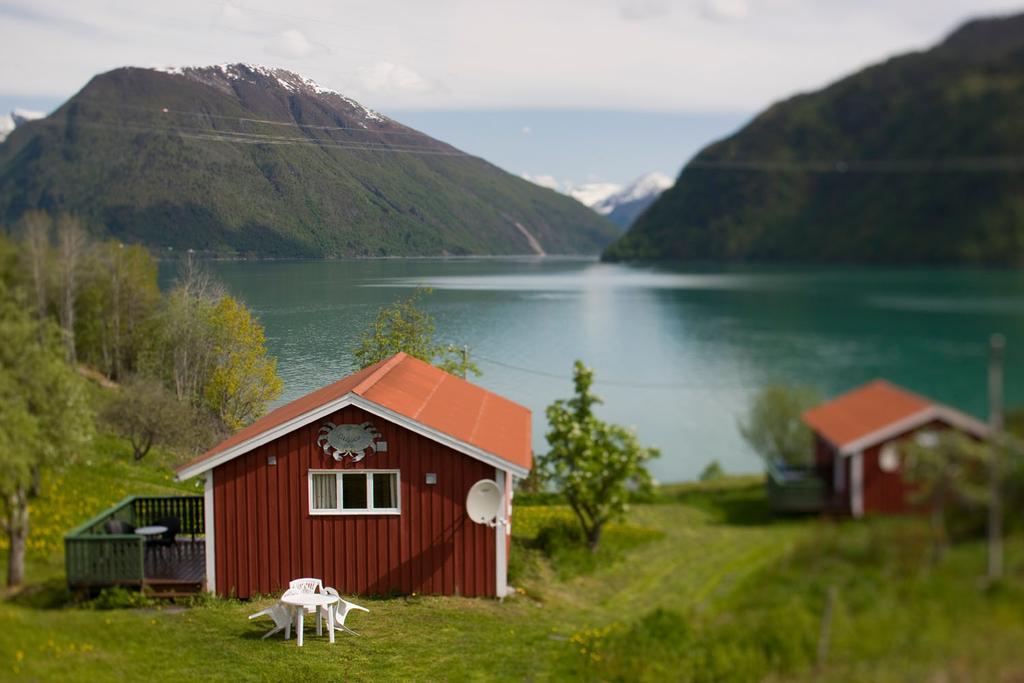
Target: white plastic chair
column 307, row 586
column 281, row 616
column 341, row 610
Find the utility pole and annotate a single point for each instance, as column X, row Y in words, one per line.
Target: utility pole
column 995, row 424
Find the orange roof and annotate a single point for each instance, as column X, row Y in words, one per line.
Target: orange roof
column 862, row 412
column 416, row 391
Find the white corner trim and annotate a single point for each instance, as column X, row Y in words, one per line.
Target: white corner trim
column 210, row 541
column 500, row 551
column 323, row 411
column 857, row 485
column 922, row 417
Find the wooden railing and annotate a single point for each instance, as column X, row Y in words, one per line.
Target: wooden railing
column 95, row 557
column 795, row 490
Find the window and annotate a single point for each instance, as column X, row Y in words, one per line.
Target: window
column 889, row 458
column 353, row 492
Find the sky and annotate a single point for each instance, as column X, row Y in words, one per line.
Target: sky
column 582, row 90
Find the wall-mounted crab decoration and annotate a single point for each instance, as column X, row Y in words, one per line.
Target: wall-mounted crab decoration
column 348, row 439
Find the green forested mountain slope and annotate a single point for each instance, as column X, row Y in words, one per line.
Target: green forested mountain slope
column 246, row 159
column 919, row 159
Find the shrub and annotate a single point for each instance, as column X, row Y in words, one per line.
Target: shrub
column 118, row 597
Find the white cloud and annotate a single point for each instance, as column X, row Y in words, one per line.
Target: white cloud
column 641, row 10
column 548, row 181
column 526, row 130
column 507, row 54
column 725, row 10
column 390, row 78
column 294, row 44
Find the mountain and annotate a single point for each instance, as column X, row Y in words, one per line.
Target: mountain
column 16, row 118
column 919, row 159
column 244, row 159
column 620, row 204
column 623, row 206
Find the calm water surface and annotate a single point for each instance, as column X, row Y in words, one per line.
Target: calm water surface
column 677, row 353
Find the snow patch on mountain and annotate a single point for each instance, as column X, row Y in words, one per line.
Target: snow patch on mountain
column 289, row 80
column 588, row 194
column 621, row 203
column 645, row 187
column 17, row 117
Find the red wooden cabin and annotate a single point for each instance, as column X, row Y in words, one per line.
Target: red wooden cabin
column 858, row 438
column 363, row 483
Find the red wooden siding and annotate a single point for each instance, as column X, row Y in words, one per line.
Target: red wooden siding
column 265, row 535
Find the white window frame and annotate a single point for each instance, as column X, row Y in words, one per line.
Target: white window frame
column 369, row 493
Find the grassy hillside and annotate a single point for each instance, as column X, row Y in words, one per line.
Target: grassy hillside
column 914, row 160
column 701, row 584
column 240, row 160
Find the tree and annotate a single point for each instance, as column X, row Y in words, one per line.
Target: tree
column 45, row 418
column 774, row 428
column 37, row 230
column 712, row 471
column 146, row 413
column 212, row 352
column 594, row 464
column 180, row 348
column 403, row 326
column 243, row 378
column 117, row 305
column 948, row 470
column 72, row 243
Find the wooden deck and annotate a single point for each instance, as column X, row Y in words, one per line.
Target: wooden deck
column 175, row 570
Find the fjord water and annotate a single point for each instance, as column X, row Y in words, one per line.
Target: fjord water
column 677, row 353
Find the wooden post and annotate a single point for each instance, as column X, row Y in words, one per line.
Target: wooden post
column 995, row 422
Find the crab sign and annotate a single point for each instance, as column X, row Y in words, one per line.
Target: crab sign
column 349, row 439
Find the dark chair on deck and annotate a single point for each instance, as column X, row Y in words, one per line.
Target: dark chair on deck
column 117, row 526
column 168, row 539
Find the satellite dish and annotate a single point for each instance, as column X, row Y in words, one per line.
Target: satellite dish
column 483, row 502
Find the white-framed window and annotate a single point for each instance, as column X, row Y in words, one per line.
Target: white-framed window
column 354, row 492
column 889, row 457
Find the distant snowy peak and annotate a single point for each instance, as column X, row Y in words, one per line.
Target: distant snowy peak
column 643, row 188
column 221, row 75
column 17, row 117
column 594, row 195
column 621, row 204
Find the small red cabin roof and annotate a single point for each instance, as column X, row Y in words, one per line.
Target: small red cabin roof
column 878, row 411
column 417, row 393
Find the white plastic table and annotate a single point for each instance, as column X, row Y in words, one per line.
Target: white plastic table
column 300, row 601
column 154, row 530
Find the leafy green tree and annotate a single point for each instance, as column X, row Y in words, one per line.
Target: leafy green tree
column 712, row 471
column 146, row 413
column 211, row 351
column 117, row 306
column 404, row 326
column 951, row 471
column 243, row 378
column 594, row 464
column 45, row 418
column 773, row 426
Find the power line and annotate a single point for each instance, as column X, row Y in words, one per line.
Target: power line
column 609, row 382
column 262, row 139
column 989, row 164
column 269, row 122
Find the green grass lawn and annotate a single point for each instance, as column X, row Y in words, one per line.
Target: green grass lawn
column 699, row 584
